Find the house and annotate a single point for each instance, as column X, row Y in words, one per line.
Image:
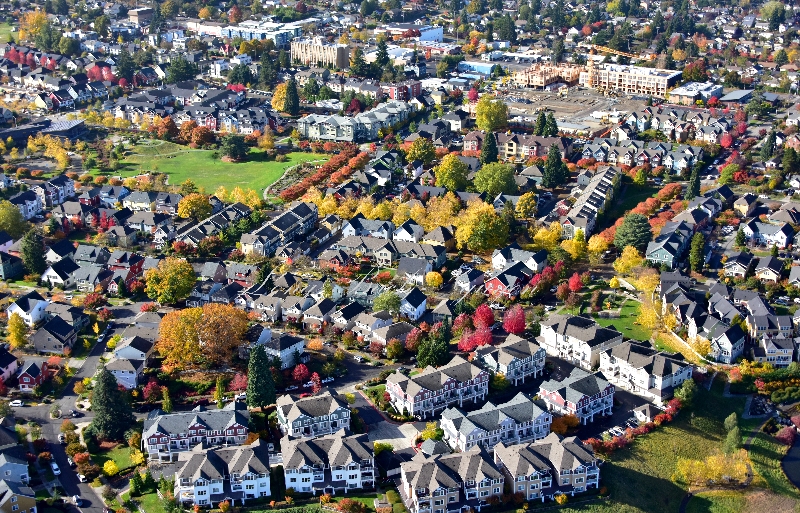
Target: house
column 728, row 344
column 745, row 204
column 549, row 467
column 413, row 270
column 508, row 283
column 581, row 394
column 8, row 365
column 212, row 476
column 15, row 497
column 431, row 391
column 60, row 274
column 14, row 468
column 669, row 246
column 516, row 359
column 365, row 293
column 360, row 226
column 286, row 347
column 367, row 323
column 319, row 314
column 55, row 336
column 469, row 280
column 512, row 254
column 91, row 255
column 777, row 351
column 31, row 307
column 128, row 373
column 331, row 464
column 58, row 251
column 519, row 420
column 409, row 231
column 11, row 267
column 769, row 269
column 134, row 348
column 452, row 482
column 318, row 415
column 345, row 318
column 397, row 330
column 577, row 339
column 641, row 369
column 739, row 265
column 441, row 236
column 167, row 434
column 71, row 314
column 768, row 234
column 30, row 376
column 92, row 277
column 316, row 289
column 122, row 236
column 413, row 304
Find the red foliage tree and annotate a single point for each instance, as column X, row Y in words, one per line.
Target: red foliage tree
column 482, row 337
column 562, row 292
column 376, row 349
column 93, row 300
column 472, row 95
column 514, row 320
column 726, row 141
column 575, row 283
column 316, row 383
column 238, row 383
column 467, row 342
column 414, row 339
column 149, row 307
column 786, row 435
column 300, row 373
column 152, row 390
column 483, row 317
column 461, row 323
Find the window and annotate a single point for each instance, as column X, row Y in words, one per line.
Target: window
column 451, row 499
column 497, row 490
column 13, row 499
column 201, row 492
column 521, row 488
column 438, row 502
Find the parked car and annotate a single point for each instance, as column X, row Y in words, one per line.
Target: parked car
column 327, row 380
column 271, row 447
column 54, row 467
column 242, row 396
column 62, row 438
column 77, row 500
column 81, row 478
column 292, row 387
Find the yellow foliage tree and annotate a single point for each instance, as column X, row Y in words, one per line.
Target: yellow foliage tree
column 205, row 13
column 402, row 213
column 614, row 283
column 279, row 97
column 548, row 238
column 365, row 207
column 576, row 247
column 194, row 206
column 383, row 211
column 418, row 214
column 629, row 259
column 31, row 24
column 434, row 280
column 315, row 344
column 347, row 208
column 17, row 331
column 441, row 211
column 596, row 247
column 329, row 205
column 480, row 228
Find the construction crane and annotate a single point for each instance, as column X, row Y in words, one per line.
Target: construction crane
column 590, row 65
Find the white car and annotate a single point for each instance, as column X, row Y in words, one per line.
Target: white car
column 797, row 300
column 327, row 380
column 308, row 385
column 54, row 466
column 81, row 478
column 242, row 396
column 17, row 403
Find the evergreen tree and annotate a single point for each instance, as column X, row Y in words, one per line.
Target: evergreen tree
column 292, row 105
column 166, row 400
column 125, row 66
column 551, row 126
column 555, row 171
column 149, row 484
column 696, row 252
column 136, row 484
column 489, row 149
column 768, row 147
column 435, row 350
column 283, row 59
column 694, row 184
column 791, row 162
column 32, row 252
column 112, row 411
column 541, row 121
column 740, row 240
column 358, row 66
column 382, row 57
column 260, row 386
column 634, row 231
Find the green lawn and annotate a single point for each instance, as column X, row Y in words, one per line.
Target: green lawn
column 121, row 456
column 721, row 501
column 5, row 31
column 626, row 323
column 149, row 502
column 182, row 163
column 368, row 500
column 628, row 197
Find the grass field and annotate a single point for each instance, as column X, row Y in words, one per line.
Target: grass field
column 5, row 31
column 627, row 323
column 180, row 163
column 629, row 196
column 121, row 456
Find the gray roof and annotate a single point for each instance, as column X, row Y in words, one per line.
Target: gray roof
column 450, row 470
column 552, row 453
column 179, row 422
column 330, row 450
column 581, row 328
column 577, row 385
column 318, row 405
column 221, row 463
column 521, row 408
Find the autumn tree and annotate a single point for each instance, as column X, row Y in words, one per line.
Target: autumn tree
column 527, row 205
column 170, row 282
column 279, row 97
column 195, row 206
column 596, row 247
column 11, row 220
column 629, row 259
column 421, row 149
column 17, row 331
column 300, row 373
column 31, row 23
column 514, row 320
column 451, row 173
column 433, row 279
column 491, row 113
column 480, row 228
column 495, row 178
column 483, row 317
column 221, row 331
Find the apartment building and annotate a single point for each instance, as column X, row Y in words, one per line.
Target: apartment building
column 450, row 482
column 232, row 473
column 318, row 415
column 167, row 434
column 546, row 468
column 433, row 390
column 317, row 52
column 517, row 358
column 579, row 340
column 329, row 464
column 519, row 420
column 512, row 146
column 359, row 128
column 592, row 202
column 581, row 394
column 777, row 351
column 641, row 369
column 624, row 78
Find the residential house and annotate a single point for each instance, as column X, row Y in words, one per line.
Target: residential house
column 516, row 359
column 468, row 280
column 286, row 347
column 413, row 270
column 581, row 394
column 31, row 375
column 55, row 336
column 70, row 314
column 59, row 251
column 15, row 497
column 509, row 282
column 769, row 269
column 14, row 469
column 577, row 339
column 318, row 415
column 413, row 304
column 8, row 365
column 31, row 307
column 779, row 235
column 346, row 317
column 60, row 274
column 128, row 373
column 134, row 348
column 11, row 267
column 777, row 351
column 745, row 204
column 739, row 265
column 319, row 314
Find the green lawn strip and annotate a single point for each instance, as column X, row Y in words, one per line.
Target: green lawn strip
column 626, row 200
column 42, row 495
column 210, row 173
column 150, row 502
column 766, row 454
column 121, row 456
column 368, row 500
column 627, row 322
column 718, row 501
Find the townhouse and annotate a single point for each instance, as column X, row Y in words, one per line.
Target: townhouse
column 641, row 369
column 318, row 415
column 331, row 464
column 739, row 265
column 768, row 234
column 450, row 482
column 431, row 391
column 516, row 359
column 592, row 202
column 670, row 245
column 777, row 351
column 296, row 222
column 519, row 420
column 387, row 252
column 518, row 146
column 577, row 339
column 232, row 473
column 549, row 467
column 359, row 128
column 581, row 394
column 167, row 434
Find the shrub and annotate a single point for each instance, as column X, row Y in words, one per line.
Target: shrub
column 785, row 436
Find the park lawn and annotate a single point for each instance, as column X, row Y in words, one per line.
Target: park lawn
column 766, row 454
column 149, row 502
column 627, row 323
column 5, row 31
column 208, row 172
column 718, row 501
column 121, row 456
column 628, row 197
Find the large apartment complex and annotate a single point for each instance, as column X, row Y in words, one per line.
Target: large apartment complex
column 519, row 420
column 329, row 464
column 318, row 415
column 579, row 340
column 624, row 78
column 433, row 390
column 359, row 128
column 316, row 52
column 581, row 394
column 517, row 358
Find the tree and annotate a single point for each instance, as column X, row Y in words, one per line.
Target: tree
column 240, row 74
column 394, row 349
column 11, row 220
column 421, row 149
column 125, row 65
column 220, row 331
column 31, row 23
column 489, row 149
column 629, row 259
column 555, row 171
column 480, row 228
column 316, row 383
column 731, row 421
column 358, row 66
column 388, row 301
column 433, row 280
column 550, row 126
column 686, row 392
column 575, row 284
column 170, row 282
column 434, row 351
column 452, row 173
column 195, row 206
column 166, row 400
column 741, row 240
column 634, row 231
column 291, row 105
column 260, row 386
column 112, row 411
column 180, row 69
column 17, row 331
column 768, row 147
column 279, row 98
column 733, row 441
column 541, row 121
column 514, row 320
column 234, row 147
column 32, row 252
column 300, row 373
column 791, row 161
column 491, row 113
column 483, row 317
column 527, row 205
column 496, row 178
column 382, row 56
column 694, row 184
column 696, row 256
